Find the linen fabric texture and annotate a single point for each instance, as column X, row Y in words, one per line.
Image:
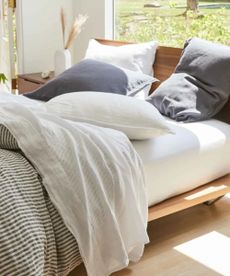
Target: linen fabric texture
column 102, row 175
column 138, row 57
column 30, row 224
column 137, row 119
column 200, row 86
column 92, row 75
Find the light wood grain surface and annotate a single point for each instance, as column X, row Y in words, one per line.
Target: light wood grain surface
column 214, row 189
column 162, row 259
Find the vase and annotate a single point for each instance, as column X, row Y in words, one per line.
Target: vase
column 62, row 61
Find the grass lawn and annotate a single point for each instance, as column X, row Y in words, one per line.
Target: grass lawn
column 166, row 23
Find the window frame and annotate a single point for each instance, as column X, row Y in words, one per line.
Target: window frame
column 109, row 19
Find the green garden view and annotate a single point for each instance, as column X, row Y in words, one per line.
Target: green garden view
column 169, row 23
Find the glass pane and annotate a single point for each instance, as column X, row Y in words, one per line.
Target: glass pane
column 172, row 22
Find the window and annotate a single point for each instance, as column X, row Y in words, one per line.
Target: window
column 7, row 44
column 172, row 22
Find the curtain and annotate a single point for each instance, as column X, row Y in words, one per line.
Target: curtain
column 5, row 66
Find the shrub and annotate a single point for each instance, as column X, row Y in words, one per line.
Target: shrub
column 174, row 30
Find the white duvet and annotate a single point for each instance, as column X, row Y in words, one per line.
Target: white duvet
column 94, row 178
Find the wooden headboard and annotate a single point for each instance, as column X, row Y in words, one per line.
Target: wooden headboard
column 165, row 61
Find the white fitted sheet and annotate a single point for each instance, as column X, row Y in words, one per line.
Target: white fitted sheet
column 196, row 154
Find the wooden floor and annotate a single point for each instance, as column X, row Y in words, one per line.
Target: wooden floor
column 193, row 242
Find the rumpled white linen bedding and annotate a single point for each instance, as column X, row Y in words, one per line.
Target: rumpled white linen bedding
column 94, row 178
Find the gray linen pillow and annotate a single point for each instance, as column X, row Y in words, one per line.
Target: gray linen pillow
column 92, row 75
column 200, row 86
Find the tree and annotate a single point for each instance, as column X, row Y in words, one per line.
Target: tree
column 192, row 5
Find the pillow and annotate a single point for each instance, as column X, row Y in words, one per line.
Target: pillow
column 136, row 57
column 137, row 119
column 92, row 75
column 200, row 86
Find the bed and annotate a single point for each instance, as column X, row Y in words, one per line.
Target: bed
column 57, row 251
column 215, row 182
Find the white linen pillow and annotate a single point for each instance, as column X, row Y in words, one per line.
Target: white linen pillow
column 136, row 57
column 136, row 118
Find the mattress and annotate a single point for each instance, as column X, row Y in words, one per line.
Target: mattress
column 196, row 154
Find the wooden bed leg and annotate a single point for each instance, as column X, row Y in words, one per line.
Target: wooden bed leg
column 212, row 201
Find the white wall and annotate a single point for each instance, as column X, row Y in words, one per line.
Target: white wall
column 39, row 32
column 99, row 24
column 39, row 29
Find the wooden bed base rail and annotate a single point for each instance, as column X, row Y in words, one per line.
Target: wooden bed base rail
column 164, row 65
column 207, row 192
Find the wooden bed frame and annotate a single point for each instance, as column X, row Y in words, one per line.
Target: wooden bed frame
column 165, row 63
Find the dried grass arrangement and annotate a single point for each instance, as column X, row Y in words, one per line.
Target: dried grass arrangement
column 75, row 29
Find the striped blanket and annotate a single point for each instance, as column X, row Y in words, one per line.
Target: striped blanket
column 94, row 179
column 33, row 237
